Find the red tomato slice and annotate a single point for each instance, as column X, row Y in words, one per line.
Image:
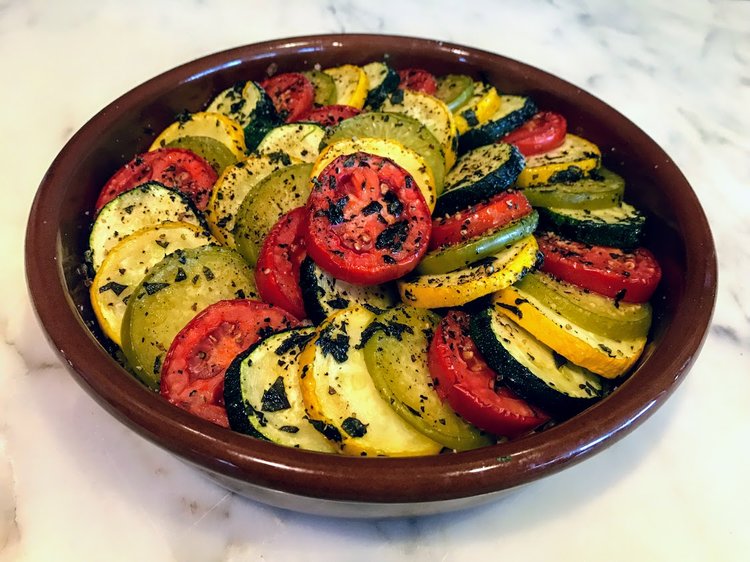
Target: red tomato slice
column 367, row 222
column 545, row 131
column 277, row 269
column 417, row 79
column 292, row 94
column 627, row 276
column 174, row 167
column 500, row 210
column 330, row 115
column 192, row 376
column 468, row 384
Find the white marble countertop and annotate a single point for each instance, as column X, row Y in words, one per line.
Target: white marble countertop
column 77, row 485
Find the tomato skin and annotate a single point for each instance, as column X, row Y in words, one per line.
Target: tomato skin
column 467, row 383
column 177, row 168
column 292, row 94
column 367, row 221
column 612, row 272
column 545, row 131
column 418, row 79
column 277, row 269
column 192, row 376
column 486, row 216
column 330, row 115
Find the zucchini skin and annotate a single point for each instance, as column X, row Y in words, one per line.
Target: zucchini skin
column 626, row 235
column 239, row 410
column 517, row 377
column 494, row 130
column 377, row 95
column 498, row 180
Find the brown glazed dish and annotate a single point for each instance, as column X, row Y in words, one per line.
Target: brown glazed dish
column 57, row 236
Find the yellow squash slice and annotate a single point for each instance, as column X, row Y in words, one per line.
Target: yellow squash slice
column 351, row 85
column 575, row 157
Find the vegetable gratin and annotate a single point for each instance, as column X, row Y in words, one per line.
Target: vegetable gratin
column 373, row 261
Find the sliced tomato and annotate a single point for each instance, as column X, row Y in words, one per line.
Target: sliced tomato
column 174, row 167
column 330, row 115
column 367, row 221
column 277, row 269
column 627, row 276
column 545, row 131
column 418, row 79
column 192, row 376
column 292, row 94
column 500, row 210
column 469, row 385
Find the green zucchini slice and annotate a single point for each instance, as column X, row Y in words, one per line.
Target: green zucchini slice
column 533, row 370
column 382, row 80
column 514, row 111
column 479, row 174
column 404, row 334
column 325, row 87
column 323, row 294
column 174, row 291
column 454, row 90
column 618, row 227
column 276, row 195
column 299, row 141
column 262, row 393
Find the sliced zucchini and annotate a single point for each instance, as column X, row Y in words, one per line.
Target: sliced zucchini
column 458, row 256
column 232, row 187
column 432, row 113
column 454, row 89
column 351, row 85
column 403, row 156
column 262, row 393
column 571, row 161
column 604, row 356
column 323, row 294
column 481, row 278
column 481, row 105
column 128, row 263
column 299, row 141
column 146, row 205
column 325, row 87
column 479, row 174
column 513, row 112
column 174, row 291
column 217, row 138
column 381, row 81
column 591, row 311
column 275, row 195
column 341, row 399
column 602, row 188
column 242, row 103
column 532, row 369
column 404, row 333
column 619, row 227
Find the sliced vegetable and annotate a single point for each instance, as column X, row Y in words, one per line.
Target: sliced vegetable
column 457, row 256
column 367, row 221
column 620, row 226
column 623, row 276
column 594, row 312
column 341, row 399
column 479, row 174
column 175, row 290
column 602, row 188
column 277, row 194
column 481, row 105
column 602, row 355
column 513, row 111
column 128, row 263
column 351, row 85
column 298, row 141
column 454, row 89
column 481, row 278
column 176, row 168
column 325, row 87
column 244, row 103
column 192, row 377
column 471, row 387
column 381, row 81
column 393, row 126
column 329, row 116
column 543, row 132
column 146, row 205
column 532, row 369
column 277, row 273
column 323, row 294
column 418, row 80
column 262, row 393
column 571, row 161
column 292, row 94
column 405, row 332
